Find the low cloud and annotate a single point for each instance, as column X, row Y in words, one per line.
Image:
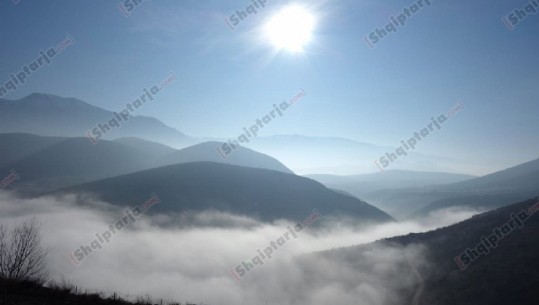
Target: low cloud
column 188, row 257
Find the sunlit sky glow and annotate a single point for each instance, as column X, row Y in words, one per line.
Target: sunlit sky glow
column 449, row 52
column 291, row 28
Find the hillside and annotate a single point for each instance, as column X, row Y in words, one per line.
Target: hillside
column 73, row 161
column 505, row 275
column 263, row 194
column 48, row 163
column 16, row 146
column 155, row 149
column 207, row 152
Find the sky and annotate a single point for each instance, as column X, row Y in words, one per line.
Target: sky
column 448, row 52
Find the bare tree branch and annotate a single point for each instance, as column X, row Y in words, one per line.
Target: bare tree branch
column 21, row 255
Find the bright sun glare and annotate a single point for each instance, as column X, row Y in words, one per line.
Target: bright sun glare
column 291, row 28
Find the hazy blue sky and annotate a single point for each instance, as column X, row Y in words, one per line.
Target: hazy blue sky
column 448, row 52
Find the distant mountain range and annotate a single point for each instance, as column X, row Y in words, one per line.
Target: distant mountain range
column 48, row 163
column 487, row 192
column 263, row 194
column 126, row 170
column 50, row 115
column 309, row 155
column 359, row 185
column 63, row 157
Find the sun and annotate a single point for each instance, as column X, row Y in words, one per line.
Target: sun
column 290, row 29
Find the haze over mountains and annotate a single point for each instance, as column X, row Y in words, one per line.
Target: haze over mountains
column 249, row 197
column 48, row 163
column 55, row 161
column 311, row 155
column 360, row 185
column 488, row 192
column 50, row 115
column 412, row 194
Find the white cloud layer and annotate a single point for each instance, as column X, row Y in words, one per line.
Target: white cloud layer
column 188, row 257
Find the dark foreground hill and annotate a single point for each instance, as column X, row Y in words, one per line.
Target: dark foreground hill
column 264, row 194
column 29, row 293
column 506, row 274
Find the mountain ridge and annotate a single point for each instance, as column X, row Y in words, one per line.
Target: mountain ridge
column 260, row 193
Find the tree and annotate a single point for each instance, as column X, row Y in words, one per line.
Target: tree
column 21, row 255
